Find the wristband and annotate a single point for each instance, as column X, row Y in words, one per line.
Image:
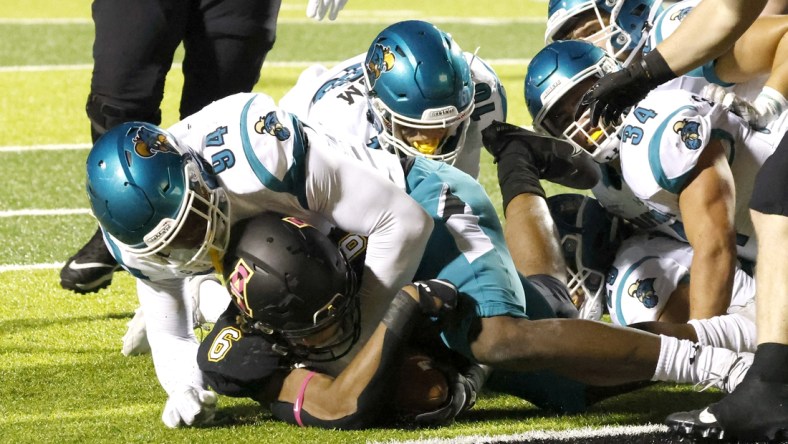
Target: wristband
column 399, row 318
column 656, row 68
column 300, row 399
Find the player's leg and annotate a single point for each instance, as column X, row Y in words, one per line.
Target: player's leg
column 601, row 354
column 225, row 53
column 132, row 53
column 758, row 408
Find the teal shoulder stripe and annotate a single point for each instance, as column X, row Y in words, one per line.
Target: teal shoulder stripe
column 673, row 185
column 293, row 182
column 709, row 72
column 620, row 291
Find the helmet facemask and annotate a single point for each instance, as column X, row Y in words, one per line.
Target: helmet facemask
column 589, row 239
column 335, row 328
column 586, row 286
column 438, row 135
column 196, row 239
column 589, row 21
column 562, row 103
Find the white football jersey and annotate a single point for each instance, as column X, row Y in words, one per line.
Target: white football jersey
column 662, row 139
column 336, row 99
column 265, row 162
column 646, row 272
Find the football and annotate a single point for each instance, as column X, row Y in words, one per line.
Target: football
column 422, row 387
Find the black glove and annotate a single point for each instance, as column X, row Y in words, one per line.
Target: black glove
column 619, row 90
column 440, row 289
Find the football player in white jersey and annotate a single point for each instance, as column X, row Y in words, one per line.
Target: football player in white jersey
column 674, row 151
column 166, row 200
column 643, row 278
column 748, row 78
column 414, row 92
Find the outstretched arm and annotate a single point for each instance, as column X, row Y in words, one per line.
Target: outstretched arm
column 352, row 399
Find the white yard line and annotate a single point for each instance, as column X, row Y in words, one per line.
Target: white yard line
column 28, row 267
column 50, row 147
column 345, row 18
column 561, row 435
column 37, row 212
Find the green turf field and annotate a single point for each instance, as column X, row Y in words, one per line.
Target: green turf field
column 62, row 376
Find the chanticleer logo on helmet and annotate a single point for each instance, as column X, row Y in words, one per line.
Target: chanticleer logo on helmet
column 147, row 143
column 381, row 60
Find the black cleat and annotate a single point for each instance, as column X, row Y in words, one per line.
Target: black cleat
column 90, row 269
column 757, row 411
column 553, row 159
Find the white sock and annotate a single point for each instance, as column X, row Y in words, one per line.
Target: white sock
column 732, row 331
column 685, row 361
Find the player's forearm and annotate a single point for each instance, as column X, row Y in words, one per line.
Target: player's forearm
column 351, row 400
column 730, row 18
column 170, row 334
column 711, row 281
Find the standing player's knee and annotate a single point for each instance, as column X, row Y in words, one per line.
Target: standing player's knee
column 105, row 114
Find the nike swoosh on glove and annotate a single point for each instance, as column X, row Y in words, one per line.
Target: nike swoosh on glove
column 189, row 406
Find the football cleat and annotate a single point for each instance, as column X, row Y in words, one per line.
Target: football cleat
column 91, row 268
column 732, row 374
column 756, row 412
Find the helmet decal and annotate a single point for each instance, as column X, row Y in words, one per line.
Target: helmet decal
column 270, row 124
column 643, row 291
column 296, row 221
column 147, row 143
column 688, row 130
column 381, row 60
column 680, row 14
column 237, row 282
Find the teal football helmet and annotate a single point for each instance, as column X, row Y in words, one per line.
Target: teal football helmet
column 420, row 91
column 564, row 16
column 158, row 201
column 557, row 78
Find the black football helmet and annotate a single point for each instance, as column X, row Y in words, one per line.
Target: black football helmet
column 293, row 284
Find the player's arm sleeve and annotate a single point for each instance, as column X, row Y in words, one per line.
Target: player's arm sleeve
column 168, row 323
column 354, row 398
column 360, row 200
